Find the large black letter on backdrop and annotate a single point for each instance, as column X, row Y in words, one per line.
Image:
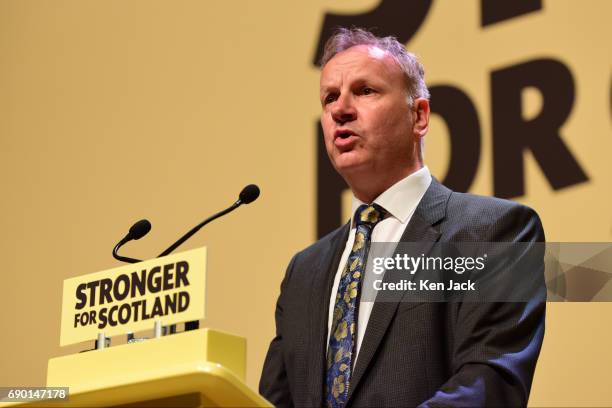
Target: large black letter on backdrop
column 461, row 118
column 512, row 135
column 495, row 11
column 390, row 17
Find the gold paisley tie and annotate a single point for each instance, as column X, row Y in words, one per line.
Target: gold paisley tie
column 344, row 322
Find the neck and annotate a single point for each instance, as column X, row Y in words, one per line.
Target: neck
column 367, row 189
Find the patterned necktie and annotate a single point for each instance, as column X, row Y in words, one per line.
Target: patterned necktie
column 344, row 323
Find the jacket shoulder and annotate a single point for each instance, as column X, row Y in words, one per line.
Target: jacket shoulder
column 473, row 217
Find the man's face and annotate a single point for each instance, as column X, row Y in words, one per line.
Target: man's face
column 367, row 120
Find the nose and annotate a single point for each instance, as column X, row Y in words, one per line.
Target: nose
column 344, row 111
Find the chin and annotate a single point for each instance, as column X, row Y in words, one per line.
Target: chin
column 349, row 165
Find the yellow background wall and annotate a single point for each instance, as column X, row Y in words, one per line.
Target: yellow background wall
column 113, row 111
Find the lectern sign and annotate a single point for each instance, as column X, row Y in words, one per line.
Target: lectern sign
column 130, row 298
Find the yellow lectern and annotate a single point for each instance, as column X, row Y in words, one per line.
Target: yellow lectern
column 196, row 368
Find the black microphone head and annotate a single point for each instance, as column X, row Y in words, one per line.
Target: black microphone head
column 249, row 194
column 140, row 229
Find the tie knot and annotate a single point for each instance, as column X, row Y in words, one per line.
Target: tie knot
column 369, row 214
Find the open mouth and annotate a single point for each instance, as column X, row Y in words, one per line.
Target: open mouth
column 345, row 139
column 343, row 134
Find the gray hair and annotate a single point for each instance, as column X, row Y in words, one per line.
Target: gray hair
column 345, row 38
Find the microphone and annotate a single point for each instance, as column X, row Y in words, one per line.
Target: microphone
column 248, row 194
column 137, row 231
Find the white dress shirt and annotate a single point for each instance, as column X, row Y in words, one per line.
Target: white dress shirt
column 400, row 200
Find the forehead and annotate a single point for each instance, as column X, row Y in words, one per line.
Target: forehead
column 360, row 62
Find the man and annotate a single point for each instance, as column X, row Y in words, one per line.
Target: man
column 331, row 348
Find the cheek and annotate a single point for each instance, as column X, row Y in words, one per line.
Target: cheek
column 391, row 134
column 381, row 128
column 327, row 133
column 379, row 119
column 398, row 125
column 326, row 124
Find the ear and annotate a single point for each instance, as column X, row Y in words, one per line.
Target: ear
column 420, row 107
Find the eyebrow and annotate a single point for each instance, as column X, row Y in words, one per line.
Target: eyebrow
column 356, row 81
column 326, row 89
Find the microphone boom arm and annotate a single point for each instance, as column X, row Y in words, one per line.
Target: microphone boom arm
column 123, row 258
column 197, row 228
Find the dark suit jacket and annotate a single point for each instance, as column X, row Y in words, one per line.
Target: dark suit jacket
column 429, row 354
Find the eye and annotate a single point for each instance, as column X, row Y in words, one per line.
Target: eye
column 330, row 98
column 366, row 90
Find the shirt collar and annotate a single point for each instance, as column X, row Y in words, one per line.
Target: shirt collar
column 402, row 198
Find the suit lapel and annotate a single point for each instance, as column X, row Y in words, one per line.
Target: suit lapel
column 423, row 231
column 322, row 282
